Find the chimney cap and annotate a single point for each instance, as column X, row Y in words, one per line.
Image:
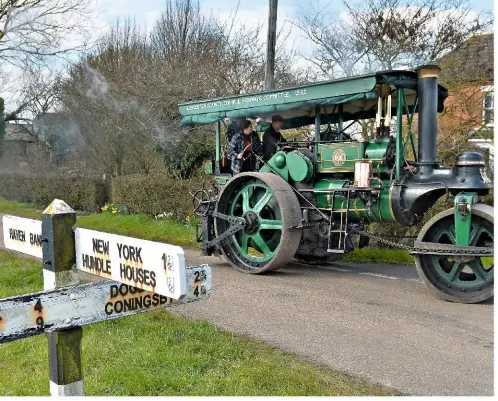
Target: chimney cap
column 428, row 71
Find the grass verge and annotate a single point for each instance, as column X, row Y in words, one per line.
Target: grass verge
column 156, row 353
column 134, row 225
column 174, row 232
column 141, row 226
column 379, row 255
column 19, row 209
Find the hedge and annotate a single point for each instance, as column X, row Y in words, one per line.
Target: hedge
column 155, row 194
column 81, row 193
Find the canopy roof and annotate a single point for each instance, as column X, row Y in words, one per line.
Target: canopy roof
column 297, row 105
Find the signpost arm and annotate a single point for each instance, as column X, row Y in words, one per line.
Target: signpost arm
column 59, row 251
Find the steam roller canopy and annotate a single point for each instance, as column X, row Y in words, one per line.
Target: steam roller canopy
column 272, row 215
column 300, row 166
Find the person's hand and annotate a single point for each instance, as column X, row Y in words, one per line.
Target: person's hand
column 240, row 155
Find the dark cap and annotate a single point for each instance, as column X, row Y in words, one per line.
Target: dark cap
column 277, row 118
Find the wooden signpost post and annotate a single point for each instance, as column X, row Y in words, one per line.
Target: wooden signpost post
column 143, row 276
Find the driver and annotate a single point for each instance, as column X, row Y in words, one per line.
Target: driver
column 241, row 148
column 272, row 136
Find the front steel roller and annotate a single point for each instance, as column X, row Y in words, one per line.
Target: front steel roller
column 272, row 214
column 457, row 279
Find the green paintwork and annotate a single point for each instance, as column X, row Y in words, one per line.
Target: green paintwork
column 383, row 210
column 357, row 95
column 267, row 101
column 254, row 197
column 380, row 210
column 409, row 112
column 280, row 160
column 399, row 133
column 463, row 221
column 218, row 141
column 300, row 166
column 376, row 151
column 331, row 156
column 325, row 184
column 450, row 270
column 281, row 171
column 208, row 168
column 262, row 126
column 355, row 151
column 318, row 122
column 222, row 180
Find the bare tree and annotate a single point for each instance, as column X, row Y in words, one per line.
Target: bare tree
column 387, row 34
column 36, row 31
column 125, row 94
column 34, row 35
column 337, row 51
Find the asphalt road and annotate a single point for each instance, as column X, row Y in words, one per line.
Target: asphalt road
column 374, row 321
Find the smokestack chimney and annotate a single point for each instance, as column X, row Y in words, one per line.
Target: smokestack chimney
column 427, row 117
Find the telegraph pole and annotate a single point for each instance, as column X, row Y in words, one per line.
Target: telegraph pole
column 270, row 46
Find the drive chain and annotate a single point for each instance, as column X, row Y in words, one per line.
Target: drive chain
column 392, row 244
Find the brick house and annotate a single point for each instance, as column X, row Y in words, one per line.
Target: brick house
column 468, row 119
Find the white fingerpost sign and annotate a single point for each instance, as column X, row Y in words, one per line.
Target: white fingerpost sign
column 63, row 308
column 148, row 265
column 22, row 235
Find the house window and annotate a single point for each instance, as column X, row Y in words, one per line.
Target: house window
column 488, row 115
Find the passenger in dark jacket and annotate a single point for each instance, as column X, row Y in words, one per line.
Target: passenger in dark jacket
column 272, row 136
column 241, row 148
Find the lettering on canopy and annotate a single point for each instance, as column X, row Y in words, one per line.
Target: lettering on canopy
column 311, row 92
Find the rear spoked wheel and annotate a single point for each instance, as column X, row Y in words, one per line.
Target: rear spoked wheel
column 272, row 215
column 456, row 278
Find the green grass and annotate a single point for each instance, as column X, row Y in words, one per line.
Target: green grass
column 141, row 226
column 157, row 353
column 174, row 232
column 19, row 209
column 487, row 262
column 378, row 255
column 136, row 225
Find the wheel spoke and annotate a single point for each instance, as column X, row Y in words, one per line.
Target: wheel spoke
column 451, row 235
column 260, row 242
column 265, row 224
column 263, row 201
column 455, row 271
column 244, row 242
column 245, row 199
column 475, row 234
column 478, row 269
